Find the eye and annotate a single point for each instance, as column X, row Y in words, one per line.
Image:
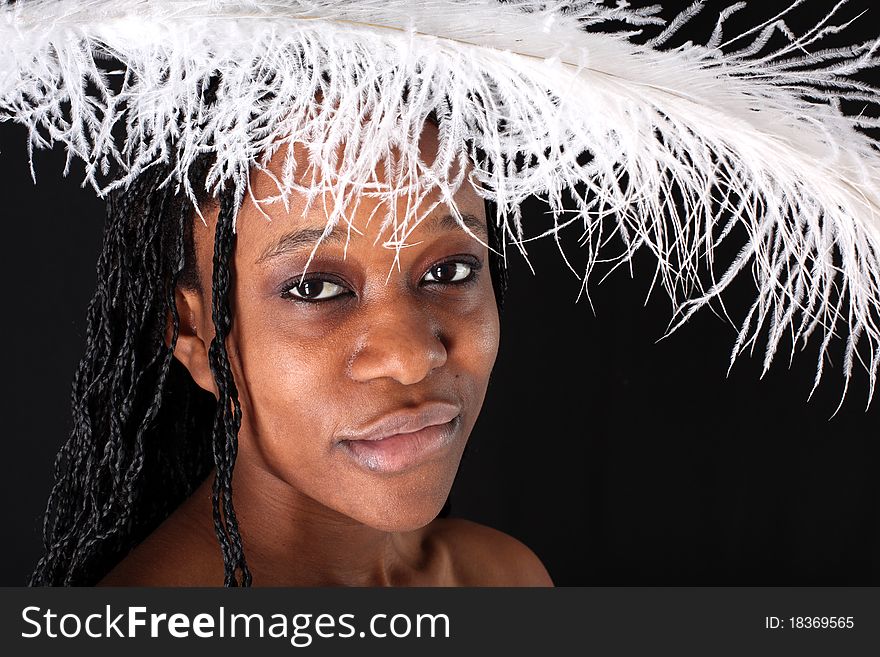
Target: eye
column 314, row 289
column 449, row 272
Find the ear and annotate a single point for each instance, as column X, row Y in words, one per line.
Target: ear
column 192, row 342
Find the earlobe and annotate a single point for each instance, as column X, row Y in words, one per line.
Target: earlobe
column 191, row 349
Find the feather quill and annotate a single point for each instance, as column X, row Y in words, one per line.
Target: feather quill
column 684, row 146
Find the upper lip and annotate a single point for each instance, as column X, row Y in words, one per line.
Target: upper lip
column 407, row 421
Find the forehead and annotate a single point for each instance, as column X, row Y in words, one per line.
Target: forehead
column 269, row 221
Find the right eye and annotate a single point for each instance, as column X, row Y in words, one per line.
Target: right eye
column 314, row 289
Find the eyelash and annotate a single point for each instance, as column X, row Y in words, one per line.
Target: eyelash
column 474, row 264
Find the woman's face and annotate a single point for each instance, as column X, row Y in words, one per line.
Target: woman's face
column 334, row 372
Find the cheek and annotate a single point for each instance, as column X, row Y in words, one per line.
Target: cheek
column 477, row 341
column 289, row 389
column 472, row 341
column 475, row 333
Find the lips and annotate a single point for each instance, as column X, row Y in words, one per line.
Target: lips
column 399, row 441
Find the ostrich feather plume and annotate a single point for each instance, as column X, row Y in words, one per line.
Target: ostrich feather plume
column 630, row 142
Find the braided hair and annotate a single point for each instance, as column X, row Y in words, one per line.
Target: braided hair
column 144, row 434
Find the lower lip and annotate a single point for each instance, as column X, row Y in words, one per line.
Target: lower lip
column 403, row 450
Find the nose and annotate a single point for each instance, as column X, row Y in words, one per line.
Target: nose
column 405, row 346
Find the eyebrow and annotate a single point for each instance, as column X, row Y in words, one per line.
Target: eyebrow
column 302, row 237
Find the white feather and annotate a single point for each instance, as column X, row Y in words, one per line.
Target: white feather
column 686, row 144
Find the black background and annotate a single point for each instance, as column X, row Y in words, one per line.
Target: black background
column 618, row 459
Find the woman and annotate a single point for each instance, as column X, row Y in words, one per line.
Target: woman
column 353, row 386
column 731, row 133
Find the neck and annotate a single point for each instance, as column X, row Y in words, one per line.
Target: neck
column 289, row 539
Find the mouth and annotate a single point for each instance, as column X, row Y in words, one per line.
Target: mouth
column 398, row 443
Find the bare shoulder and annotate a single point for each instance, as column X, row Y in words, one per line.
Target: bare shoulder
column 482, row 556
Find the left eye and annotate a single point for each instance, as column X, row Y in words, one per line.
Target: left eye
column 448, row 272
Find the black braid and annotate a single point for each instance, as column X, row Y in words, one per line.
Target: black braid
column 227, row 421
column 497, row 256
column 138, row 446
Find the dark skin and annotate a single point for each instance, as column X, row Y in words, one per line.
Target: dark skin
column 364, row 339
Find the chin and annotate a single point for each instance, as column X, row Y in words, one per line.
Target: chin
column 399, row 501
column 402, row 511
